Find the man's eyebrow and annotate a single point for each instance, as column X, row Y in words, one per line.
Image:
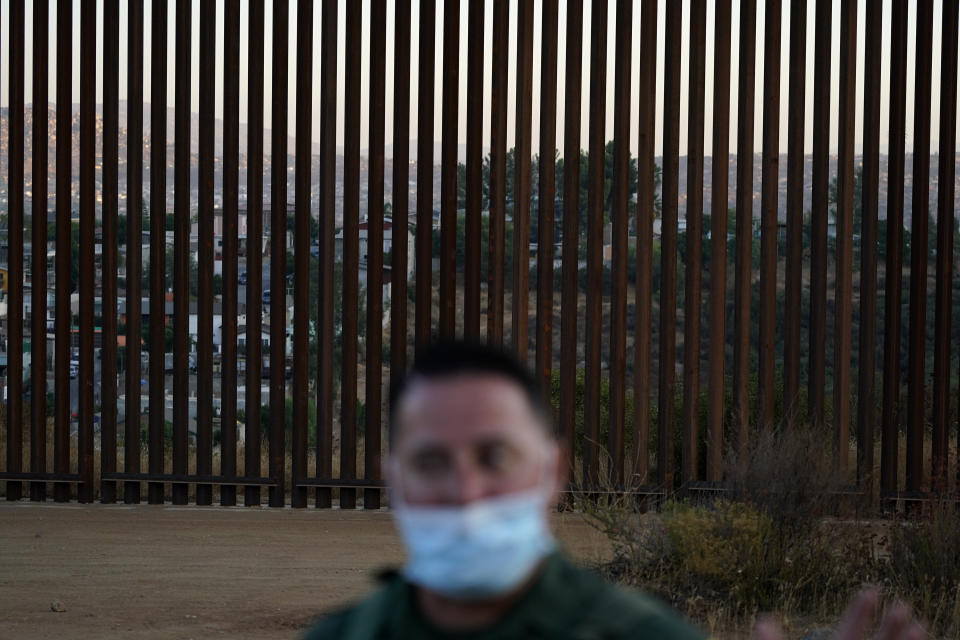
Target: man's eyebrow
column 427, row 448
column 497, row 439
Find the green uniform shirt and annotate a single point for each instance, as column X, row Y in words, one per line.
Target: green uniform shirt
column 565, row 603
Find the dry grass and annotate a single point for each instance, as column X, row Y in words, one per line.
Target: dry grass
column 780, row 540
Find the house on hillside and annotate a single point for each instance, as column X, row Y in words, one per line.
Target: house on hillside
column 388, row 245
column 243, row 336
column 193, row 324
column 144, row 309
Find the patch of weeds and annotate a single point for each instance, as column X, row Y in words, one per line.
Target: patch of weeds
column 766, row 546
column 924, row 567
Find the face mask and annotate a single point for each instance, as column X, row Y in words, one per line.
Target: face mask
column 476, row 551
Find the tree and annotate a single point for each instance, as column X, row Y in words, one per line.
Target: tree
column 608, row 185
column 559, row 169
column 292, row 223
column 857, row 200
column 168, row 268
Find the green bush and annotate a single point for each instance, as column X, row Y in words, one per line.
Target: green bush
column 715, row 543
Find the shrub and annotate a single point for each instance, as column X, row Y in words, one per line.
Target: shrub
column 715, row 542
column 925, row 567
column 788, row 474
column 729, row 557
column 764, row 547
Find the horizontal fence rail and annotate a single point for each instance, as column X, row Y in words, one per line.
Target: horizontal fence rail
column 220, row 309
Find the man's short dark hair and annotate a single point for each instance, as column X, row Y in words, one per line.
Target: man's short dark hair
column 451, row 358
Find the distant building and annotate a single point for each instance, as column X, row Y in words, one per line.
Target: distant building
column 363, row 233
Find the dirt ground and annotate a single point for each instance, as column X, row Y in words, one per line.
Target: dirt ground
column 143, row 571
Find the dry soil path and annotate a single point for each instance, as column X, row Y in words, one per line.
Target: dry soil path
column 147, row 571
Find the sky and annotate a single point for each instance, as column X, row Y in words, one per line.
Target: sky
column 863, row 7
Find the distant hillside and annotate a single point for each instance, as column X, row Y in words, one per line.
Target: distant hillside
column 437, row 146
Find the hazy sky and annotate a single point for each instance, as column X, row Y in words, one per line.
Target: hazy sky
column 864, row 6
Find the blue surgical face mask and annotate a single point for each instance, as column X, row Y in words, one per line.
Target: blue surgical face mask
column 476, row 551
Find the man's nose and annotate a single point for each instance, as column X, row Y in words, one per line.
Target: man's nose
column 468, row 483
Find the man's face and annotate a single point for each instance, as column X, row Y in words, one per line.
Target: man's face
column 468, row 437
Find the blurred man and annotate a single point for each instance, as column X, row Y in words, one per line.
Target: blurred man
column 475, row 468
